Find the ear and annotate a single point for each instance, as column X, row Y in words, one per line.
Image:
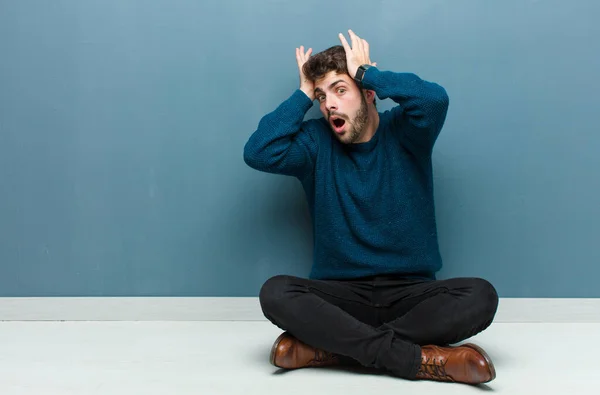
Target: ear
column 369, row 95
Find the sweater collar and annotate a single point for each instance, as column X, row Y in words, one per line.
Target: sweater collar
column 367, row 145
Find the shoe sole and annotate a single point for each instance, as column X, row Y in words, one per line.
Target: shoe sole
column 485, row 356
column 274, row 348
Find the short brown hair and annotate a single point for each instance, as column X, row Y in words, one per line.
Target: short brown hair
column 331, row 59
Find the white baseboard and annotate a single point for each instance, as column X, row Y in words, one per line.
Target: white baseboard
column 247, row 309
column 131, row 309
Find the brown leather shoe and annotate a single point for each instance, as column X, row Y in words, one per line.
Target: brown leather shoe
column 466, row 363
column 290, row 353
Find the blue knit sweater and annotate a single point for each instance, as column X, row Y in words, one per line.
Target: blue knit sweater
column 371, row 203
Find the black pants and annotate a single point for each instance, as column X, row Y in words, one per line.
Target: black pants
column 380, row 321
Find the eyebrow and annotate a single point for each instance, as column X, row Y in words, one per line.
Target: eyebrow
column 330, row 86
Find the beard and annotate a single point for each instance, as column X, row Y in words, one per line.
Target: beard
column 357, row 125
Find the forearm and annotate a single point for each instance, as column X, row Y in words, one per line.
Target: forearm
column 279, row 145
column 425, row 103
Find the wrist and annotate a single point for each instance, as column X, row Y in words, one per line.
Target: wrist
column 308, row 92
column 360, row 74
column 352, row 71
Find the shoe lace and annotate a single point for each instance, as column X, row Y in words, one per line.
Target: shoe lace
column 432, row 368
column 323, row 356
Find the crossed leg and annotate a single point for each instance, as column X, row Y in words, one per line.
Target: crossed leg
column 342, row 317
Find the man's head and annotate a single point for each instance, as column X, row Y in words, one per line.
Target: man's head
column 342, row 102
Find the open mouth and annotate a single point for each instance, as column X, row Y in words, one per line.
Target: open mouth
column 338, row 124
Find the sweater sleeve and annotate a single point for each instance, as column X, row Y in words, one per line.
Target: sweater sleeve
column 422, row 105
column 283, row 143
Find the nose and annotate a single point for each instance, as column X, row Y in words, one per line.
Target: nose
column 330, row 104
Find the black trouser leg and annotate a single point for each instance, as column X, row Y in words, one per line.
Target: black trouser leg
column 438, row 312
column 339, row 317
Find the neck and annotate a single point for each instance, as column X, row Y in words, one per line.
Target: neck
column 372, row 125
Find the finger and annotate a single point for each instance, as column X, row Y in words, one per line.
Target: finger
column 375, row 64
column 360, row 45
column 308, row 53
column 344, row 42
column 356, row 38
column 365, row 45
column 299, row 58
column 302, row 55
column 353, row 38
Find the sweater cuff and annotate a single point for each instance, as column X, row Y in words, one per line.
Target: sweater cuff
column 302, row 99
column 370, row 77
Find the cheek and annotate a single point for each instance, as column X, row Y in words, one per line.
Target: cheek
column 356, row 106
column 323, row 109
column 350, row 104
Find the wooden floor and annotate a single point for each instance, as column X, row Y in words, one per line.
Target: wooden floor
column 206, row 358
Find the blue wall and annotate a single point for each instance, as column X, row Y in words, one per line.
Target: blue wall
column 122, row 126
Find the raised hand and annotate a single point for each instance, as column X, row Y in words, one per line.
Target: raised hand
column 357, row 54
column 306, row 85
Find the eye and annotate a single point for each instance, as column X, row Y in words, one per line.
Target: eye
column 341, row 90
column 320, row 98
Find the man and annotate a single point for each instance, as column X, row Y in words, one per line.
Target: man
column 372, row 297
